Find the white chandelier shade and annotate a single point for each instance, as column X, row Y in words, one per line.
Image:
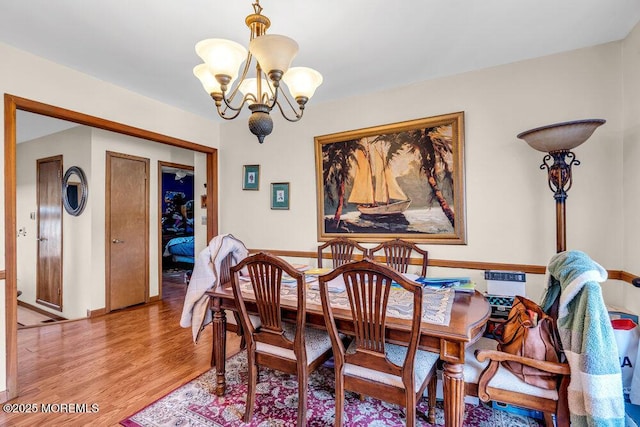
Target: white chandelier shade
column 249, row 88
column 302, row 81
column 273, row 53
column 209, row 82
column 223, row 57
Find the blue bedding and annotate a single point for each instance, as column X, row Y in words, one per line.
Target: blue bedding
column 181, row 249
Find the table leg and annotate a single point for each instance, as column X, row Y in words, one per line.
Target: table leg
column 219, row 344
column 453, row 390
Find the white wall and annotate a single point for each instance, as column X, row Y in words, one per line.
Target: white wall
column 102, row 142
column 84, row 235
column 29, row 76
column 74, row 145
column 631, row 162
column 510, row 210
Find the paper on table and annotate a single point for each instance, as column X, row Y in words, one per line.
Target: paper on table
column 335, row 285
column 318, row 271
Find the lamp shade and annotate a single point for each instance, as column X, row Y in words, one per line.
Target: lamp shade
column 560, row 136
column 250, row 86
column 273, row 52
column 302, row 81
column 223, row 57
column 209, row 83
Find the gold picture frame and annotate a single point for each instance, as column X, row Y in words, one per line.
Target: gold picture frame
column 419, row 168
column 280, row 195
column 251, row 177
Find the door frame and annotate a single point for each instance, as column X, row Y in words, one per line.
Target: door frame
column 13, row 103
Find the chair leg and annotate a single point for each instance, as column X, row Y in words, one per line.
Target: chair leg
column 431, row 399
column 251, row 388
column 548, row 420
column 303, row 382
column 410, row 409
column 339, row 399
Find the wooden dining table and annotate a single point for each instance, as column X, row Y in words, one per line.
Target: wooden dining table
column 469, row 314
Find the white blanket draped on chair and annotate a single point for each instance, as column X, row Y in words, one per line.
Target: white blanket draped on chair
column 586, row 334
column 195, row 312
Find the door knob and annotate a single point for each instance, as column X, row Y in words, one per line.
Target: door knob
column 117, row 241
column 42, row 239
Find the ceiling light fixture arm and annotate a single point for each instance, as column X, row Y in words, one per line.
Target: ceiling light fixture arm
column 298, row 115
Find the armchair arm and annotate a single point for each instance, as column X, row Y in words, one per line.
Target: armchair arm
column 500, row 356
column 495, row 357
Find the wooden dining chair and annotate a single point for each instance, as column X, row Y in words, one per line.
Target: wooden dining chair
column 487, row 379
column 370, row 365
column 397, row 254
column 286, row 347
column 342, row 251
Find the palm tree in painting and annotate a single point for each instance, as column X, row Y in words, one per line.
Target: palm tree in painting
column 338, row 158
column 434, row 148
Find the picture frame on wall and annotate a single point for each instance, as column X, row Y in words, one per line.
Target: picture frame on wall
column 279, row 195
column 402, row 180
column 251, row 177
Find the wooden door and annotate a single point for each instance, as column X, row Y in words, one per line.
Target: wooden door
column 127, row 226
column 49, row 252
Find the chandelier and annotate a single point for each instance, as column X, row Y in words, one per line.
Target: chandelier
column 274, row 54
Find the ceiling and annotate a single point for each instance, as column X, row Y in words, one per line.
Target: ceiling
column 360, row 46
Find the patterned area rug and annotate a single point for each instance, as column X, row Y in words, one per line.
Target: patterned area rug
column 195, row 404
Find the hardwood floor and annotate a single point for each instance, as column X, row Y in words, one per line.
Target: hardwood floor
column 119, row 363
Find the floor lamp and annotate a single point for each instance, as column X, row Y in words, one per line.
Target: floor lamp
column 557, row 141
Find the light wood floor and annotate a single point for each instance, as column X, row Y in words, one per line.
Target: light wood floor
column 122, row 362
column 28, row 317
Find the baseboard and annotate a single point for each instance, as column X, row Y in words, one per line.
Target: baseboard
column 4, row 396
column 96, row 313
column 41, row 311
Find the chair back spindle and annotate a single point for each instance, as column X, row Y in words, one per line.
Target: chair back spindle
column 397, row 254
column 342, row 251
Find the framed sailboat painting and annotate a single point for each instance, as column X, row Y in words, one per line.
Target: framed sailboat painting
column 403, row 180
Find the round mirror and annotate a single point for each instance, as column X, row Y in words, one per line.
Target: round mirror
column 74, row 190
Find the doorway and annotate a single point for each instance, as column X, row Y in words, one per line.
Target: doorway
column 12, row 104
column 177, row 219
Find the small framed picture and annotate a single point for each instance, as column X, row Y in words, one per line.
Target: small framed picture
column 279, row 195
column 251, row 177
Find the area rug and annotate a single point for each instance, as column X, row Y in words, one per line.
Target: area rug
column 195, row 404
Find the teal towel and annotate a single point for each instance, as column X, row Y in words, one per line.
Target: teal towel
column 586, row 334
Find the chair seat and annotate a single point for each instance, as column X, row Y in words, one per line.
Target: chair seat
column 231, row 319
column 396, row 354
column 503, row 379
column 317, row 343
